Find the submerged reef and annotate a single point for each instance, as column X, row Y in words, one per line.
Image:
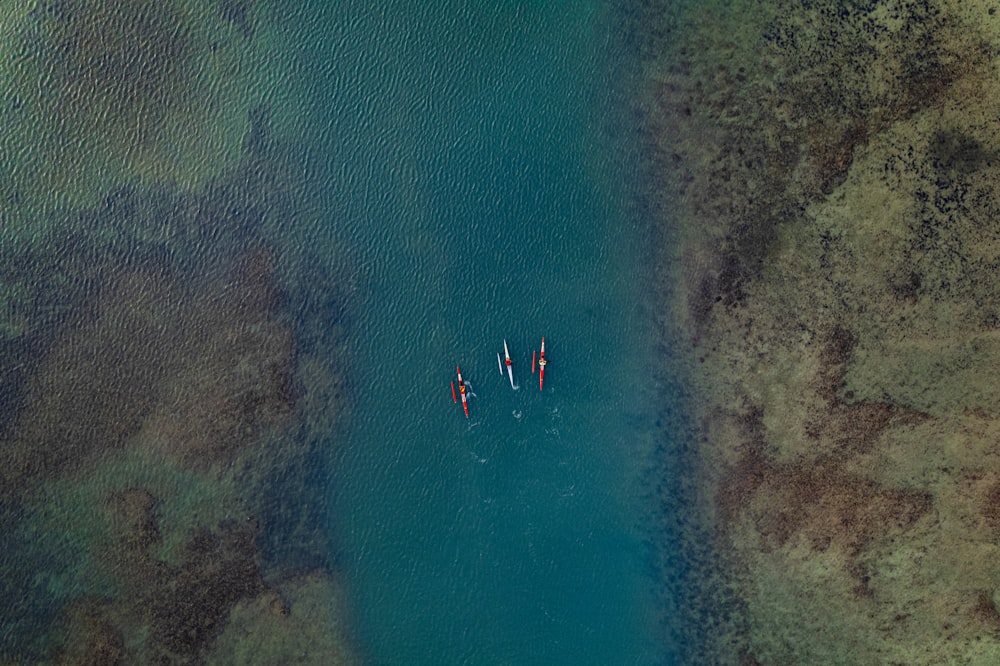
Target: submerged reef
column 170, row 349
column 829, row 169
column 154, row 457
column 100, row 94
column 154, row 452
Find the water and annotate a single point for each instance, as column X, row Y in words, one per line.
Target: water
column 475, row 179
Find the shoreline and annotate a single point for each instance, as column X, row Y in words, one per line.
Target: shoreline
column 834, row 272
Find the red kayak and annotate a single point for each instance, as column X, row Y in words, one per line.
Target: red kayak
column 541, row 366
column 462, row 391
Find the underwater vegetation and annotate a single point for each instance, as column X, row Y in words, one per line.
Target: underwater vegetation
column 831, row 173
column 99, row 93
column 140, row 448
column 170, row 387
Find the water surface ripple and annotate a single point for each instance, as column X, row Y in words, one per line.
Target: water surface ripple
column 472, row 169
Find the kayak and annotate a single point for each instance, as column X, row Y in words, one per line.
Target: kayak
column 499, row 365
column 462, row 391
column 510, row 369
column 541, row 367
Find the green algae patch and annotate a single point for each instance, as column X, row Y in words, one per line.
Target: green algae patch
column 102, row 94
column 934, row 376
column 132, row 499
column 270, row 629
column 804, row 610
column 832, row 171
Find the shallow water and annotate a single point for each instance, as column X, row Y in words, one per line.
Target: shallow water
column 480, row 180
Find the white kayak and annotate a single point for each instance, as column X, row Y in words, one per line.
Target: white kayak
column 510, row 369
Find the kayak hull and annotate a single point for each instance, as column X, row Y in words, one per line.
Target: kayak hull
column 462, row 391
column 541, row 367
column 510, row 368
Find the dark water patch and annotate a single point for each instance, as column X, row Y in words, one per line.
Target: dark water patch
column 292, row 527
column 184, row 607
column 237, row 12
column 135, row 514
column 90, row 639
column 30, row 577
column 101, row 376
column 181, row 241
column 678, row 556
column 648, row 28
column 259, row 139
column 680, row 550
column 959, row 152
column 190, row 606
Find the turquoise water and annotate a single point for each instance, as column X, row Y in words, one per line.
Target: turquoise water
column 477, row 178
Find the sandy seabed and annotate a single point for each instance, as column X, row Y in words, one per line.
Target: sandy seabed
column 830, row 172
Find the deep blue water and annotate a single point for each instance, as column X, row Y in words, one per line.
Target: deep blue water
column 479, row 176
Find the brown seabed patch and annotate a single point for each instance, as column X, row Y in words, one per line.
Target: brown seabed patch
column 203, row 370
column 827, row 500
column 191, row 372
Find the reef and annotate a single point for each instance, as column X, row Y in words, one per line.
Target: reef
column 827, row 171
column 102, row 94
column 156, row 427
column 170, row 348
column 266, row 628
column 213, row 607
